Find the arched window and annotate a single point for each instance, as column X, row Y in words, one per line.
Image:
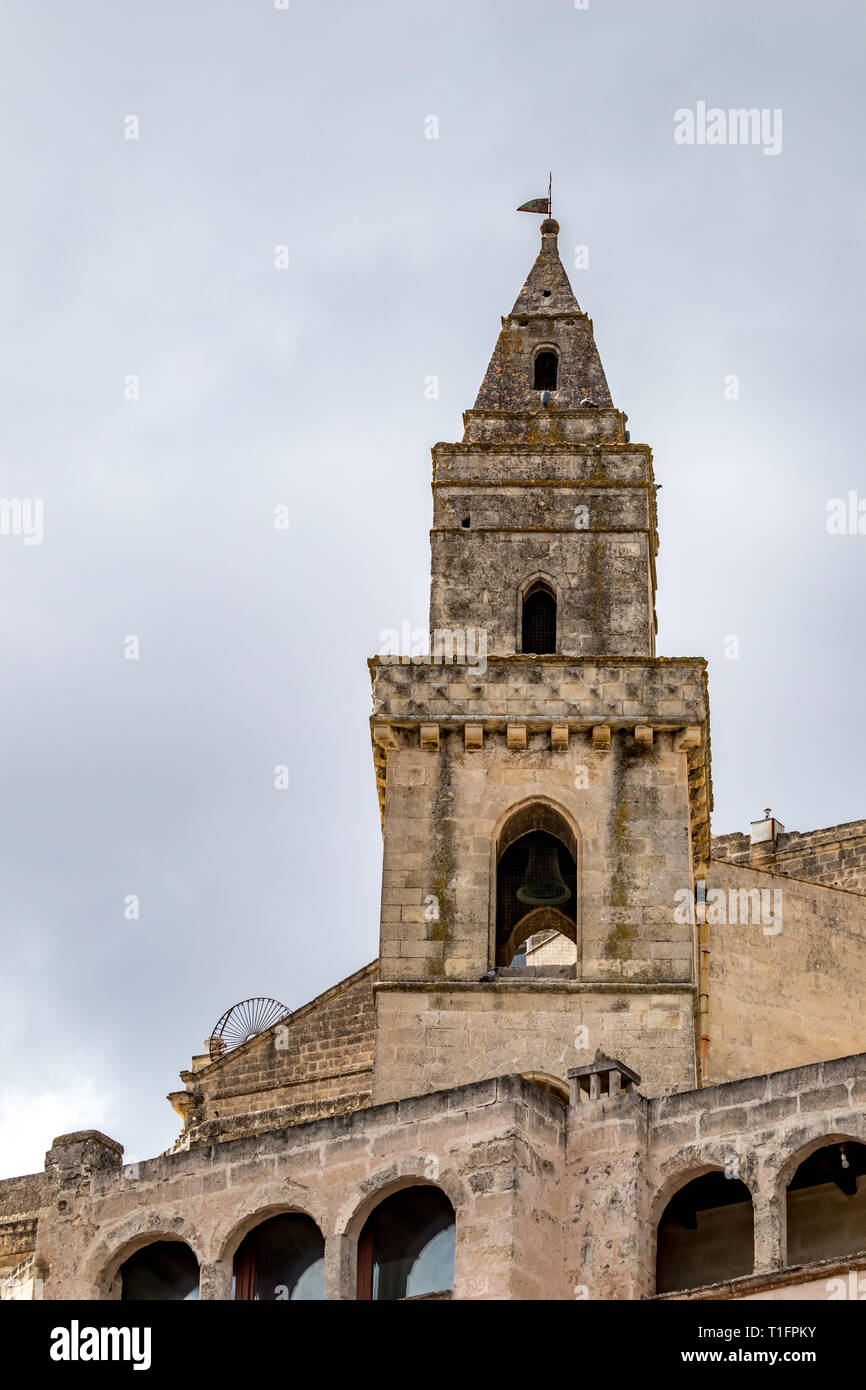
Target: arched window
column 406, row 1248
column 166, row 1269
column 283, row 1259
column 538, row 624
column 545, row 369
column 536, row 890
column 826, row 1204
column 706, row 1234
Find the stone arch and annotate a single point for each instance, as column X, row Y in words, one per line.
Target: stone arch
column 280, row 1257
column 535, row 811
column 723, row 1250
column 101, row 1263
column 552, row 1086
column 538, row 577
column 412, row 1173
column 409, row 1172
column 529, row 582
column 230, row 1233
column 540, row 590
column 824, row 1217
column 788, row 1163
column 679, row 1172
column 545, row 367
column 542, row 919
column 407, row 1243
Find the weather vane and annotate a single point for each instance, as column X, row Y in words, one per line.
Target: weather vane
column 544, row 205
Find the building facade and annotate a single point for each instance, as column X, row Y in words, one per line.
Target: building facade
column 601, row 1054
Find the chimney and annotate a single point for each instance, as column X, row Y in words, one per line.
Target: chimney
column 763, row 836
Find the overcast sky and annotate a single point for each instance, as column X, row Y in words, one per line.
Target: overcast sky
column 154, row 258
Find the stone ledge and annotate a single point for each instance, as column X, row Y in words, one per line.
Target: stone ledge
column 724, row 1096
column 756, row 1283
column 557, row 985
column 559, row 689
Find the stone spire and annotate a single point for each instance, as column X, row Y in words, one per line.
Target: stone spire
column 546, row 315
column 542, row 721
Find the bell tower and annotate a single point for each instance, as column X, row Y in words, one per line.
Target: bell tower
column 542, row 490
column 543, row 775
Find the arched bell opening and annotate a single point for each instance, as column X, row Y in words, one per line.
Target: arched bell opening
column 536, row 891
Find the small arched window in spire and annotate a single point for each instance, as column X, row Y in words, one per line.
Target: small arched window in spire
column 539, row 620
column 545, row 371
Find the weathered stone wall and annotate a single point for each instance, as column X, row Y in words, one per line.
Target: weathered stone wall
column 791, row 996
column 443, row 813
column 629, row 808
column 760, row 1129
column 604, row 598
column 20, row 1200
column 537, row 428
column 547, row 314
column 551, row 1201
column 508, row 380
column 318, row 1062
column 437, row 1036
column 664, row 692
column 20, row 1195
column 540, row 1232
column 607, row 1197
column 505, row 515
column 834, row 856
column 494, row 1149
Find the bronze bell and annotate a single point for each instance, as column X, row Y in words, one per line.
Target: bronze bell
column 543, row 884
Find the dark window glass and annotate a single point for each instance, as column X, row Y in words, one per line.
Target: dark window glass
column 546, row 368
column 407, row 1246
column 283, row 1259
column 539, row 622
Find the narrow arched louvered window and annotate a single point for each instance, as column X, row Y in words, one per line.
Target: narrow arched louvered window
column 545, row 371
column 539, row 621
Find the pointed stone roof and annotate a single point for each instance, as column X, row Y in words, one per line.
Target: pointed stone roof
column 547, row 289
column 546, row 315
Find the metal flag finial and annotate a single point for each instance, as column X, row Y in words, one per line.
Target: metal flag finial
column 540, row 204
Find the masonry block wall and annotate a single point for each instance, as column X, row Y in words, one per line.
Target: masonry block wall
column 492, row 1148
column 835, row 855
column 442, row 1062
column 20, row 1200
column 504, row 514
column 541, row 1233
column 762, row 1128
column 607, row 1200
column 626, row 1156
column 791, row 996
column 445, row 807
column 551, row 1201
column 634, row 984
column 319, row 1061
